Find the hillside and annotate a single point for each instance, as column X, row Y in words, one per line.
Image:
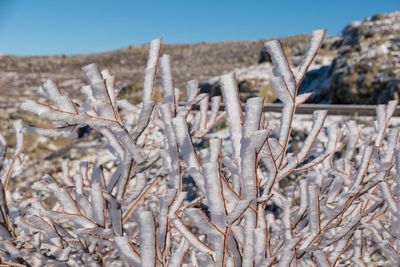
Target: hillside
column 360, row 66
column 19, row 75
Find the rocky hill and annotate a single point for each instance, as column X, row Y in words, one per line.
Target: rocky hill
column 359, row 66
column 19, row 75
column 366, row 68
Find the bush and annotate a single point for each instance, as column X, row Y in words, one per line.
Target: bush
column 338, row 208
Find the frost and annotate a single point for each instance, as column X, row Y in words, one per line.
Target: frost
column 259, row 198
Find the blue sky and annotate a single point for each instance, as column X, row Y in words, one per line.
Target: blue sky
column 39, row 27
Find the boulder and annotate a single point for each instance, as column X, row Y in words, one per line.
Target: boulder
column 252, row 81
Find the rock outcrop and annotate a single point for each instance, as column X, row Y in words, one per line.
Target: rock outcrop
column 254, row 80
column 361, row 66
column 366, row 69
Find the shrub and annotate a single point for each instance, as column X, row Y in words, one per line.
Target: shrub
column 341, row 208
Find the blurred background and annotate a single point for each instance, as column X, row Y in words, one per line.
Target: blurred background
column 358, row 63
column 44, row 39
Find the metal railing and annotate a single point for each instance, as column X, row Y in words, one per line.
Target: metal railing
column 333, row 109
